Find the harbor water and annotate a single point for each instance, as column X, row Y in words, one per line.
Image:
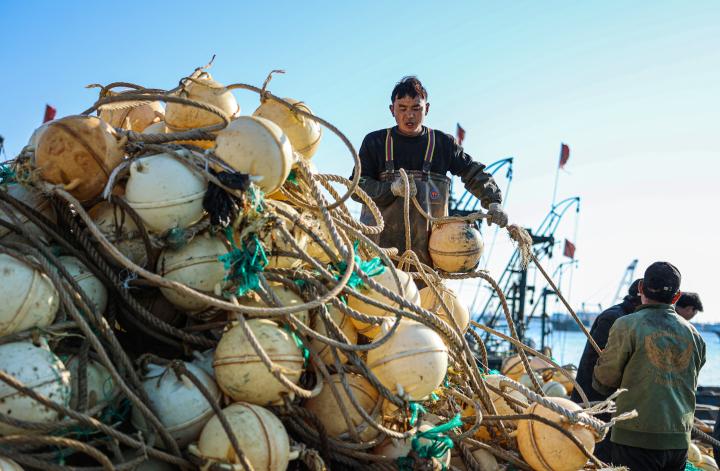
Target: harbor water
column 567, row 347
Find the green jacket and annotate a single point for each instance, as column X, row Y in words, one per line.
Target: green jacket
column 656, row 355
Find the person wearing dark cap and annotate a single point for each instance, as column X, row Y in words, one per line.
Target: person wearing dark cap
column 655, row 355
column 600, row 331
column 688, row 305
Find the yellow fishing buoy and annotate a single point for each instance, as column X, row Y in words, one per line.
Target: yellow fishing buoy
column 345, row 324
column 562, row 379
column 455, row 246
column 304, row 133
column 707, row 463
column 286, row 297
column 29, row 297
column 165, row 193
column 328, row 410
column 273, row 239
column 78, row 152
column 258, row 147
column 240, row 372
column 513, row 368
column 320, row 229
column 408, row 290
column 414, row 359
column 38, row 369
column 195, row 265
column 200, row 87
column 430, row 302
column 694, row 454
column 545, row 448
column 35, row 200
column 501, row 404
column 260, row 435
column 137, row 118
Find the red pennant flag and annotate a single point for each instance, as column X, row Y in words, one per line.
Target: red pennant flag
column 49, row 113
column 460, row 134
column 569, row 250
column 564, row 155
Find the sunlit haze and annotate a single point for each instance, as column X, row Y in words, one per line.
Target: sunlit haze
column 632, row 87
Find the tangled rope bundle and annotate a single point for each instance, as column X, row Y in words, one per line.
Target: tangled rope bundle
column 131, row 334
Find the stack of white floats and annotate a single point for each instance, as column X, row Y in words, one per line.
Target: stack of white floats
column 164, row 191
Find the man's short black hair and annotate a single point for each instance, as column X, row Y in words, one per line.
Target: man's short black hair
column 690, row 299
column 408, row 86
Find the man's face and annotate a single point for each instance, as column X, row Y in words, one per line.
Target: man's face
column 409, row 114
column 687, row 312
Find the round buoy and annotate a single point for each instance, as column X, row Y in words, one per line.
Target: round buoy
column 554, row 389
column 240, row 372
column 545, row 448
column 79, row 152
column 285, row 295
column 274, row 241
column 165, row 193
column 527, row 382
column 177, row 402
column 501, row 404
column 415, row 358
column 200, row 87
column 430, row 302
column 195, row 265
column 100, row 385
column 562, row 379
column 455, row 247
column 89, row 283
column 6, row 464
column 345, row 324
column 258, row 147
column 694, row 454
column 157, row 128
column 399, row 448
column 707, row 463
column 304, row 133
column 329, row 411
column 513, row 368
column 38, row 369
column 120, row 230
column 408, row 291
column 320, row 229
column 35, row 200
column 29, row 297
column 260, row 435
column 136, row 119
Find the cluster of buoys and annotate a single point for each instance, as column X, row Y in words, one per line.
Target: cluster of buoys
column 177, row 282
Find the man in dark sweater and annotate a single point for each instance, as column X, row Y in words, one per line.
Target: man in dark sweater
column 600, row 331
column 656, row 356
column 427, row 156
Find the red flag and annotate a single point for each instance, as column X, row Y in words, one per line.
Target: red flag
column 569, row 250
column 49, row 113
column 564, row 155
column 460, row 134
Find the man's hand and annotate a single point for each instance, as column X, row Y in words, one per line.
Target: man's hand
column 398, row 187
column 497, row 215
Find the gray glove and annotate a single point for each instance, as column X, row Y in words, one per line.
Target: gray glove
column 398, row 187
column 497, row 215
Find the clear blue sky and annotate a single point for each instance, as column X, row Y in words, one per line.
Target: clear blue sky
column 632, row 87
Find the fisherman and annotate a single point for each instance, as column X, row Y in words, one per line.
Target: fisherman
column 656, row 356
column 600, row 331
column 688, row 305
column 427, row 156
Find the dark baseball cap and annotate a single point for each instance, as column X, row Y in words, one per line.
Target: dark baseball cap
column 661, row 277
